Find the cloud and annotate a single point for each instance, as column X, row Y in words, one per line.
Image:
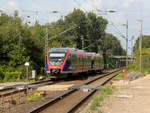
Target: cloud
column 127, row 3
column 12, row 4
column 10, row 7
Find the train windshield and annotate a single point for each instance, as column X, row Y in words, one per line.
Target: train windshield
column 56, row 58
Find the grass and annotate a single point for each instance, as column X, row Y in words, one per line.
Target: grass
column 118, row 77
column 35, row 98
column 13, row 102
column 13, row 80
column 146, row 71
column 135, row 68
column 97, row 100
column 16, row 80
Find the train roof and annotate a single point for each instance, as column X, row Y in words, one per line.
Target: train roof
column 73, row 49
column 61, row 49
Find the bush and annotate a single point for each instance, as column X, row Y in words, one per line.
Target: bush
column 12, row 75
column 2, row 75
column 145, row 61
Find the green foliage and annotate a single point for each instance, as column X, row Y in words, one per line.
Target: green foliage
column 34, row 99
column 145, row 55
column 2, row 75
column 17, row 56
column 145, row 42
column 118, row 77
column 38, row 96
column 133, row 67
column 110, row 45
column 145, row 63
column 12, row 75
column 13, row 53
column 14, row 102
column 90, row 28
column 96, row 30
column 20, row 42
column 97, row 101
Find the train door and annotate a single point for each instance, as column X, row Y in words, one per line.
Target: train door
column 68, row 63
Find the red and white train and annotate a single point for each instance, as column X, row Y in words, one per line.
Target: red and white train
column 69, row 61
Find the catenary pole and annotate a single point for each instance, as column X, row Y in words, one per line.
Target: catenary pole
column 127, row 43
column 140, row 44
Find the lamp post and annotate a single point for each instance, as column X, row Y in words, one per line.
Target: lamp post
column 140, row 43
column 82, row 39
column 132, row 48
column 27, row 64
column 126, row 25
column 46, row 40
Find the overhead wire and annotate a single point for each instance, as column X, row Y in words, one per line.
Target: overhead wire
column 80, row 5
column 96, row 42
column 115, row 29
column 65, row 31
column 118, row 31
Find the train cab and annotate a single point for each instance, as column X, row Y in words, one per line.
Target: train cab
column 59, row 60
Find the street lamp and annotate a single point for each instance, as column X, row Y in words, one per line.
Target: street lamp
column 54, row 11
column 47, row 39
column 105, row 12
column 27, row 64
column 140, row 43
column 112, row 11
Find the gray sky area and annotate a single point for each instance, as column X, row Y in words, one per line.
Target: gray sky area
column 131, row 10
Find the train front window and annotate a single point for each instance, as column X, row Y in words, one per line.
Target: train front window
column 56, row 58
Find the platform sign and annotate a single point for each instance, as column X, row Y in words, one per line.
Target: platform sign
column 33, row 74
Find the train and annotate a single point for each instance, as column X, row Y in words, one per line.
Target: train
column 64, row 62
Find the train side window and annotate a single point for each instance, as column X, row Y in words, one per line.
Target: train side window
column 73, row 59
column 80, row 61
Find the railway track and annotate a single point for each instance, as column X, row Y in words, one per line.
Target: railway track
column 11, row 90
column 70, row 100
column 14, row 89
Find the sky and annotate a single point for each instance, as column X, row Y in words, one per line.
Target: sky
column 126, row 10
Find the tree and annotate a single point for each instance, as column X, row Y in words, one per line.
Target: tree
column 110, row 46
column 96, row 30
column 78, row 19
column 13, row 53
column 20, row 42
column 89, row 29
column 145, row 42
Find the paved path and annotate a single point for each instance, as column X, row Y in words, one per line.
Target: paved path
column 3, row 85
column 133, row 97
